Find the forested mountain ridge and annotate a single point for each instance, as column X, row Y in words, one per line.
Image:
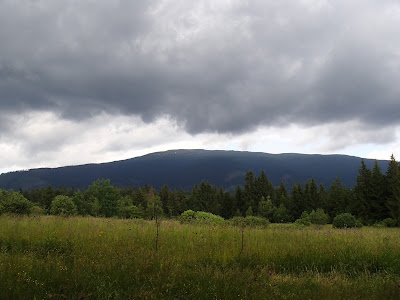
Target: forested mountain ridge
column 185, row 168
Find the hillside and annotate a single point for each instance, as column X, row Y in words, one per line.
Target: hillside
column 185, row 168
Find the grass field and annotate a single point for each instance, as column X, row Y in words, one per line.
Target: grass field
column 93, row 258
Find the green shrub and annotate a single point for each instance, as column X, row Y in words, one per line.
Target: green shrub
column 389, row 222
column 359, row 223
column 188, row 216
column 252, row 221
column 15, row 203
column 304, row 219
column 249, row 212
column 344, row 220
column 200, row 217
column 134, row 212
column 319, row 217
column 63, row 206
column 208, row 218
column 37, row 210
column 379, row 225
column 281, row 214
column 238, row 221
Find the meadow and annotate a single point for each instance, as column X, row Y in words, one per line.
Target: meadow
column 48, row 257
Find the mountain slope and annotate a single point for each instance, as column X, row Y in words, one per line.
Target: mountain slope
column 184, row 168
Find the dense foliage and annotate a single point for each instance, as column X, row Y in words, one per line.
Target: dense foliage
column 345, row 220
column 63, row 206
column 200, row 217
column 375, row 198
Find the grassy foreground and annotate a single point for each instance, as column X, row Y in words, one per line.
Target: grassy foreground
column 93, row 258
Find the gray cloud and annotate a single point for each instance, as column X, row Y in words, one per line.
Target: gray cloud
column 213, row 67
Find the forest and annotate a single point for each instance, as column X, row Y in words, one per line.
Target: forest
column 375, row 199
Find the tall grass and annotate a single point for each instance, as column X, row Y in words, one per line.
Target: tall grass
column 94, row 258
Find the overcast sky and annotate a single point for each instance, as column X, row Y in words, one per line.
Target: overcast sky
column 96, row 81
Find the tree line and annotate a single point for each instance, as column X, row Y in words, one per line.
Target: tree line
column 376, row 197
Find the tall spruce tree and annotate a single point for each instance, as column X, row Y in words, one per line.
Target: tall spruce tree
column 322, row 197
column 281, row 195
column 393, row 189
column 164, row 197
column 363, row 193
column 379, row 211
column 239, row 200
column 298, row 201
column 264, row 188
column 182, row 201
column 249, row 191
column 226, row 200
column 311, row 194
column 337, row 200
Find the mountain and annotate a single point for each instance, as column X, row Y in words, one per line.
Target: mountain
column 185, row 168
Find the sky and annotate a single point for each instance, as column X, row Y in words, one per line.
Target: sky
column 89, row 81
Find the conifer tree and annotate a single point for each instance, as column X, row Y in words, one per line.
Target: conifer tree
column 363, row 192
column 194, row 199
column 227, row 209
column 379, row 211
column 337, row 201
column 239, row 200
column 164, row 197
column 266, row 208
column 281, row 195
column 264, row 188
column 312, row 195
column 173, row 203
column 322, row 196
column 393, row 189
column 182, row 201
column 249, row 192
column 298, row 201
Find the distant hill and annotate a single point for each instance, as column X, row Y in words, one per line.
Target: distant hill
column 185, row 168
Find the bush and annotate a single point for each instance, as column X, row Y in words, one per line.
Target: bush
column 188, row 216
column 63, row 206
column 304, row 219
column 345, row 220
column 208, row 218
column 281, row 215
column 359, row 223
column 37, row 211
column 256, row 222
column 389, row 222
column 15, row 203
column 249, row 212
column 319, row 217
column 200, row 217
column 237, row 221
column 134, row 212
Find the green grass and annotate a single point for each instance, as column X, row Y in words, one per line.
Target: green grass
column 92, row 258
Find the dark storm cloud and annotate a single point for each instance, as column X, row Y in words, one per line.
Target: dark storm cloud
column 213, row 66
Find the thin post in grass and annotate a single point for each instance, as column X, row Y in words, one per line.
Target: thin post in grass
column 157, row 211
column 241, row 249
column 157, row 225
column 242, row 225
column 154, row 212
